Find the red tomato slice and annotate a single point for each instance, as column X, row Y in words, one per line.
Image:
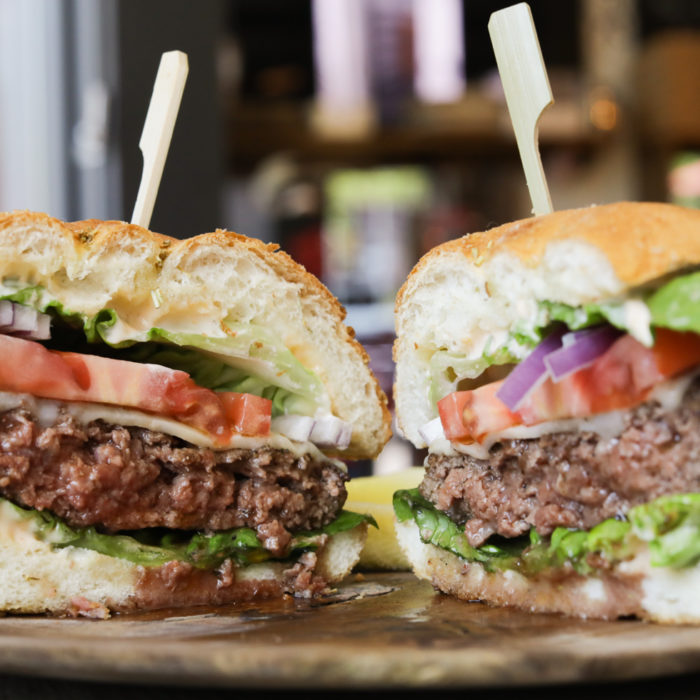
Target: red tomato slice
column 28, row 367
column 248, row 414
column 621, row 378
column 467, row 413
column 674, row 351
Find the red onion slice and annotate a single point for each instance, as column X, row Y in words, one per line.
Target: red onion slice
column 530, row 373
column 573, row 337
column 6, row 313
column 294, row 427
column 583, row 349
column 432, row 431
column 327, row 431
column 23, row 321
column 43, row 328
column 330, row 431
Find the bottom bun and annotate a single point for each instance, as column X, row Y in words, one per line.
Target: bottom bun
column 632, row 588
column 35, row 578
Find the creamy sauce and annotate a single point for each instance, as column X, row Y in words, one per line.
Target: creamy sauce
column 638, row 321
column 46, row 411
column 14, row 527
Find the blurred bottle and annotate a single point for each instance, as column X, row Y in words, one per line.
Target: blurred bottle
column 343, row 105
column 390, row 34
column 298, row 223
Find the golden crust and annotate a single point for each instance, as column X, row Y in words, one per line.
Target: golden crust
column 642, row 240
column 477, row 289
column 290, row 270
column 67, row 254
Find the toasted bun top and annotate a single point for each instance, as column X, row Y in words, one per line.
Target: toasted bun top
column 474, row 290
column 192, row 285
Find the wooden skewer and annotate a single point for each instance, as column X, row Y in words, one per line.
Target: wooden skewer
column 527, row 91
column 158, row 130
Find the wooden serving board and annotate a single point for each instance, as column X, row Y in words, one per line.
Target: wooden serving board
column 378, row 630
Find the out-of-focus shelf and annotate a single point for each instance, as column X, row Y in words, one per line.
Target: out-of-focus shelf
column 669, row 91
column 474, row 128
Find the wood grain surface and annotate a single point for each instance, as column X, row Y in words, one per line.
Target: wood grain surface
column 377, row 631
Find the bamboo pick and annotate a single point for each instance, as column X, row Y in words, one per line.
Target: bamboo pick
column 527, row 91
column 158, row 130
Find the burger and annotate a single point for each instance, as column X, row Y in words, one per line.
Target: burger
column 551, row 366
column 175, row 418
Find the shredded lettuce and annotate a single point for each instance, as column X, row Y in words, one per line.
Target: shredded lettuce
column 576, row 317
column 670, row 525
column 157, row 547
column 674, row 305
column 447, row 368
column 249, row 359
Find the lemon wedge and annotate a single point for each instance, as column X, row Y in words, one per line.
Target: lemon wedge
column 373, row 494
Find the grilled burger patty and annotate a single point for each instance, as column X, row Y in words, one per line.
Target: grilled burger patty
column 570, row 479
column 126, row 478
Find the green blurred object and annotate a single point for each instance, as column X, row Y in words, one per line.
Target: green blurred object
column 369, row 230
column 684, row 179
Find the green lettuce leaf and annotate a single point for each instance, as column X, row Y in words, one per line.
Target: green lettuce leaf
column 676, row 305
column 437, row 528
column 670, row 525
column 157, row 547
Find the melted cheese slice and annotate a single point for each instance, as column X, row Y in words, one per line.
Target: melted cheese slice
column 46, row 412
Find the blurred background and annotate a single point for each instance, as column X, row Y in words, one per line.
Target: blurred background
column 355, row 133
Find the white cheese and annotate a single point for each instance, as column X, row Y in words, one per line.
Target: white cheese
column 47, row 410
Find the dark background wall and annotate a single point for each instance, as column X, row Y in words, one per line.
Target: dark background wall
column 189, row 199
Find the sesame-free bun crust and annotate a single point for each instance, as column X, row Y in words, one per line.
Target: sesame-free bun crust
column 482, row 285
column 193, row 285
column 632, row 588
column 641, row 240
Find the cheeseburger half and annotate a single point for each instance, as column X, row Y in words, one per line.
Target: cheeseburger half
column 172, row 414
column 552, row 368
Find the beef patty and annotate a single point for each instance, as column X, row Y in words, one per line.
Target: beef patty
column 126, row 478
column 572, row 479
